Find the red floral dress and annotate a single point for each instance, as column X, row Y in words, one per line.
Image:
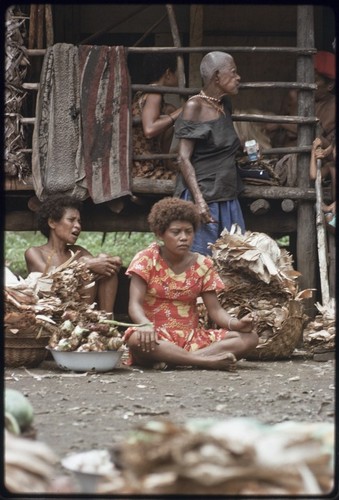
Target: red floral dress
column 171, row 299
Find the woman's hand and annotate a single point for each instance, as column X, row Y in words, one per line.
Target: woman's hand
column 204, row 212
column 319, row 151
column 247, row 323
column 147, row 338
column 104, row 265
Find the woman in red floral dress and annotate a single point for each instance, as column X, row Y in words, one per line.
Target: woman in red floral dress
column 166, row 281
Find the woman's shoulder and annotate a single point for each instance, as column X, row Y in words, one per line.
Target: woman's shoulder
column 151, row 251
column 35, row 250
column 204, row 261
column 144, row 259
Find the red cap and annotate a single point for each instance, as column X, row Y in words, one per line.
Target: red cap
column 324, row 63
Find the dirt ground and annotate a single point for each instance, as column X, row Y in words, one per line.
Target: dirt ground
column 82, row 411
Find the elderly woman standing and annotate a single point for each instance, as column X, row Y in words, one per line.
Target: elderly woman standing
column 208, row 144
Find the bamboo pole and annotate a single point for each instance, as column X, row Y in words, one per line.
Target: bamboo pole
column 321, row 239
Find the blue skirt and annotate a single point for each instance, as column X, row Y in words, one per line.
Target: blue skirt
column 226, row 213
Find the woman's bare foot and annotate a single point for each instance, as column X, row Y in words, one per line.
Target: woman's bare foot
column 225, row 361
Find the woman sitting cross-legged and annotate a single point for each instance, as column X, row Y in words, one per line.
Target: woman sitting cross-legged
column 166, row 280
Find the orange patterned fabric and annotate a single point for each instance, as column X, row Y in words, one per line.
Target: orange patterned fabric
column 171, row 299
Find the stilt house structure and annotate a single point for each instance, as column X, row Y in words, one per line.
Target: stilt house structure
column 273, row 46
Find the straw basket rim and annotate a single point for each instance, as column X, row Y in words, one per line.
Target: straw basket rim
column 33, row 332
column 24, row 349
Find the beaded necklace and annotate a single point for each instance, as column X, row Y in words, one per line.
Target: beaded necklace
column 213, row 101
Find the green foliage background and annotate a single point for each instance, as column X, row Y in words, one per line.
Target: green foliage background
column 126, row 245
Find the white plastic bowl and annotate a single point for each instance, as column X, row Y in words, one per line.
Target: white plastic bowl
column 99, row 361
column 88, row 478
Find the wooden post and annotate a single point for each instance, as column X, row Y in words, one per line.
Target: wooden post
column 49, row 25
column 32, row 26
column 196, row 40
column 306, row 237
column 177, row 43
column 41, row 25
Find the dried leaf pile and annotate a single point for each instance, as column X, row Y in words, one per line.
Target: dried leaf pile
column 20, row 302
column 320, row 333
column 259, row 276
column 16, row 63
column 29, row 465
column 235, row 457
column 56, row 302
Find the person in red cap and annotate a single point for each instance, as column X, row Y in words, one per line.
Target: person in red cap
column 325, row 104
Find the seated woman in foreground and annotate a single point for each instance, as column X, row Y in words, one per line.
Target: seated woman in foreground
column 59, row 220
column 166, row 281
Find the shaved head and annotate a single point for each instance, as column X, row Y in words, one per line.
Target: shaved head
column 212, row 62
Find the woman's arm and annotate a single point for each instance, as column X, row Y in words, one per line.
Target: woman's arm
column 222, row 318
column 146, row 335
column 153, row 123
column 191, row 112
column 137, row 292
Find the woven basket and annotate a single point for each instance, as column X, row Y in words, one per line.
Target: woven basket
column 24, row 349
column 281, row 345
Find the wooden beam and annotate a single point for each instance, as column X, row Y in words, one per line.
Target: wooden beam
column 204, row 50
column 98, row 219
column 93, row 220
column 140, row 185
column 111, row 26
column 149, row 30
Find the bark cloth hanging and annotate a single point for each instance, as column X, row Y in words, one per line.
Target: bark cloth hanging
column 82, row 131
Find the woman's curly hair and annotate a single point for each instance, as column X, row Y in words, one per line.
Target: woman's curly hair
column 155, row 65
column 54, row 208
column 167, row 210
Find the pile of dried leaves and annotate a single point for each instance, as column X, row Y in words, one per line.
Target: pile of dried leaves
column 56, row 299
column 320, row 333
column 20, row 303
column 16, row 64
column 258, row 276
column 232, row 457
